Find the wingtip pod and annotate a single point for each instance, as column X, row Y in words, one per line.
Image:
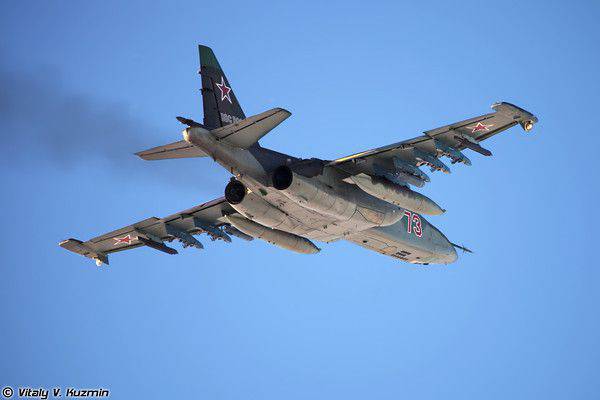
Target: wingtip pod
column 77, row 246
column 526, row 119
column 527, row 125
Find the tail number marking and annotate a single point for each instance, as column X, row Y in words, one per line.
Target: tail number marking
column 413, row 223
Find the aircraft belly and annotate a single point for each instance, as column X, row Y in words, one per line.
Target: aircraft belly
column 392, row 240
column 373, row 239
column 307, row 223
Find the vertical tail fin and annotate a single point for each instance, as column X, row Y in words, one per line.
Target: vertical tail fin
column 220, row 104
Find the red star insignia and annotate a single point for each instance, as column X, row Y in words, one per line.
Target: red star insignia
column 124, row 240
column 225, row 90
column 480, row 127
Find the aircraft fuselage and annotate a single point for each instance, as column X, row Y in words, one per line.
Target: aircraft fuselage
column 321, row 205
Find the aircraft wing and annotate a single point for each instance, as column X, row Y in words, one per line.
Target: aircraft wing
column 154, row 232
column 399, row 161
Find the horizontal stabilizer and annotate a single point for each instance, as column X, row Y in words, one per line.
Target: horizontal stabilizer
column 181, row 149
column 248, row 131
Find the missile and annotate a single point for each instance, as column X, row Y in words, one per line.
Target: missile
column 285, row 240
column 398, row 177
column 430, row 160
column 396, row 194
column 184, row 237
column 470, row 143
column 214, row 232
column 410, row 169
column 451, row 152
column 157, row 245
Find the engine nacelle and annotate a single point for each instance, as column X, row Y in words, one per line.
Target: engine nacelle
column 252, row 206
column 344, row 202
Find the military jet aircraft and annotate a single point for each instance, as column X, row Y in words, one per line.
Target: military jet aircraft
column 365, row 198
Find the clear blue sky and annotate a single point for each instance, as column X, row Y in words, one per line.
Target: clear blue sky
column 86, row 84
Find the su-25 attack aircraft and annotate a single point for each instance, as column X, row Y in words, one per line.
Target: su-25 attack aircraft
column 365, row 198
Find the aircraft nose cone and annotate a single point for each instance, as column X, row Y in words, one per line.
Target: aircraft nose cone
column 445, row 251
column 445, row 254
column 450, row 256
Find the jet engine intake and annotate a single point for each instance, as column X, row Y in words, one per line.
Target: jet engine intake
column 282, row 177
column 235, row 192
